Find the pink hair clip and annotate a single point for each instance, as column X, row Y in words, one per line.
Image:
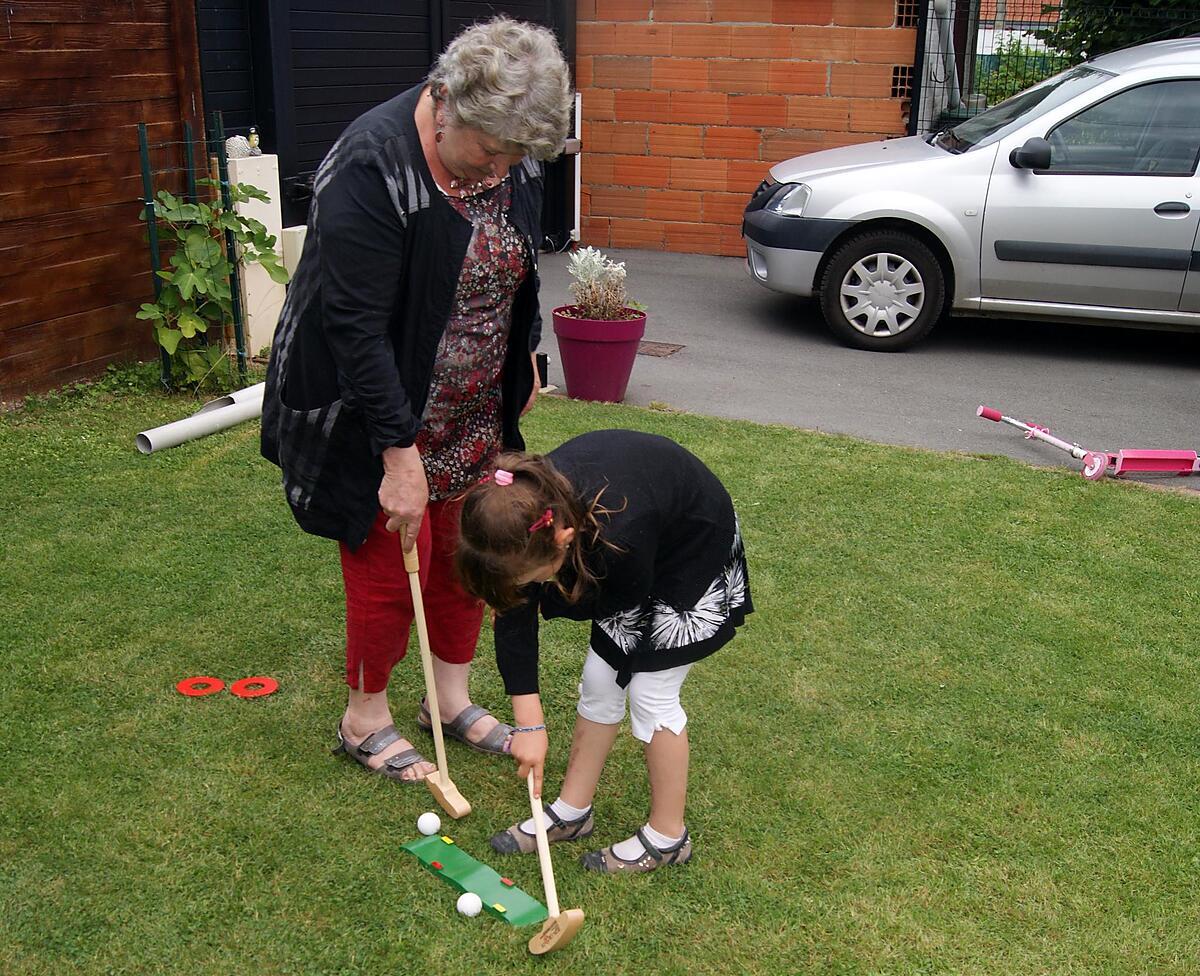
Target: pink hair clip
column 503, row 477
column 544, row 521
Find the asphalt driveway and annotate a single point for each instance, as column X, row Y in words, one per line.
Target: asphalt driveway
column 751, row 354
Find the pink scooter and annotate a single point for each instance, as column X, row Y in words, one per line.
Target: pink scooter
column 1096, row 464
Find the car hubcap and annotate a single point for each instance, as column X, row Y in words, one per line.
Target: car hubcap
column 882, row 294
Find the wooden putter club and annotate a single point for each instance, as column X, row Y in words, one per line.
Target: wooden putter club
column 439, row 783
column 561, row 927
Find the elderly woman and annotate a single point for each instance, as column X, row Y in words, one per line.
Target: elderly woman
column 403, row 359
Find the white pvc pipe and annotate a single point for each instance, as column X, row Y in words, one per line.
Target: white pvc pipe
column 218, row 414
column 237, row 396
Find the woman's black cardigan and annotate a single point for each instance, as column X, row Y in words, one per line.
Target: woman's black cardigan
column 353, row 354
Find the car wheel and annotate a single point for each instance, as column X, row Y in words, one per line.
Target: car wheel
column 882, row 290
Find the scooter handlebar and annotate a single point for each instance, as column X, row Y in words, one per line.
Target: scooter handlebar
column 987, row 413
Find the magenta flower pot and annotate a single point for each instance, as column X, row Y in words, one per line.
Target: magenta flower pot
column 597, row 355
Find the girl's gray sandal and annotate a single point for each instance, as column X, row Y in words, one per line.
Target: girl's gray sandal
column 609, row 863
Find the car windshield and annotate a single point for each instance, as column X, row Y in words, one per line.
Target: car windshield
column 1019, row 109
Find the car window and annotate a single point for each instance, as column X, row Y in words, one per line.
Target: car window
column 1149, row 130
column 1024, row 106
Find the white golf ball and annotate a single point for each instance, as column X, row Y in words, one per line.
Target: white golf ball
column 429, row 823
column 469, row 904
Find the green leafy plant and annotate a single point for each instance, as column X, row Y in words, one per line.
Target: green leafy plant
column 598, row 287
column 196, row 302
column 1015, row 66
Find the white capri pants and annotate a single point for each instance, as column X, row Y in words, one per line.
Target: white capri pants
column 653, row 697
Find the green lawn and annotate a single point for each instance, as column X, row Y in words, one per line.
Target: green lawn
column 958, row 736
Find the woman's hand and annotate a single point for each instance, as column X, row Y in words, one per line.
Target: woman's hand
column 534, row 392
column 529, row 750
column 404, row 493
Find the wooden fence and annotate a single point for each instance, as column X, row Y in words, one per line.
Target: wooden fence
column 76, row 77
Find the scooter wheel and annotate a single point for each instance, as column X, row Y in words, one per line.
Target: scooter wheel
column 1094, row 465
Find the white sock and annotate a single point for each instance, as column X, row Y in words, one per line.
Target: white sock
column 632, row 848
column 563, row 810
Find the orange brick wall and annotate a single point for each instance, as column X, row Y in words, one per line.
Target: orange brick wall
column 688, row 103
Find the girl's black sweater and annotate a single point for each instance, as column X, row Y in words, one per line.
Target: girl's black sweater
column 673, row 523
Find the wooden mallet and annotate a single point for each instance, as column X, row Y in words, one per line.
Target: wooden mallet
column 561, row 927
column 439, row 783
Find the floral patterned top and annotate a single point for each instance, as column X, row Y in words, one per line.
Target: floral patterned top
column 460, row 432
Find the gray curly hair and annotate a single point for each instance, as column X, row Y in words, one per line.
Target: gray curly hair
column 508, row 79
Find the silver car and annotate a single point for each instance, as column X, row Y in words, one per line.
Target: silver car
column 1075, row 200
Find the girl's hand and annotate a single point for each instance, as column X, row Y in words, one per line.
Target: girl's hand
column 529, row 750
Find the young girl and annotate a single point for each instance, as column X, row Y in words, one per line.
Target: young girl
column 632, row 532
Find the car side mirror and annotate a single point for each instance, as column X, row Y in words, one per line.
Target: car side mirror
column 1035, row 154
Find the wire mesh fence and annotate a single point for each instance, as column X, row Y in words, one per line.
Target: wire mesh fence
column 973, row 54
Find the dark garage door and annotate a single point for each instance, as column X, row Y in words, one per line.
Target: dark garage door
column 301, row 70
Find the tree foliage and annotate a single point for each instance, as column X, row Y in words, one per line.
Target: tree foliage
column 1087, row 28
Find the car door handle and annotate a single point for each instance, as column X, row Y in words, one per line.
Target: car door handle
column 1172, row 207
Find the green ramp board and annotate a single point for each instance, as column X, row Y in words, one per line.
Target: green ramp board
column 500, row 897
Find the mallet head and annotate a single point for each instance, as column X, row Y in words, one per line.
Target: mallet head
column 447, row 795
column 557, row 932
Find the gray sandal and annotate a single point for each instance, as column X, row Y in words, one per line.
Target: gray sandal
column 494, row 743
column 516, row 841
column 607, row 862
column 374, row 744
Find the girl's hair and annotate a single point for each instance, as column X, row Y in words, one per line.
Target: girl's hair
column 498, row 540
column 509, row 79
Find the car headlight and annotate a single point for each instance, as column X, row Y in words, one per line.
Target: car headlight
column 789, row 199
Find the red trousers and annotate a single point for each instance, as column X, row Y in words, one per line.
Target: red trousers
column 379, row 609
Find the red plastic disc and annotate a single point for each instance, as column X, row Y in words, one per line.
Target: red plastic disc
column 199, row 686
column 254, row 687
